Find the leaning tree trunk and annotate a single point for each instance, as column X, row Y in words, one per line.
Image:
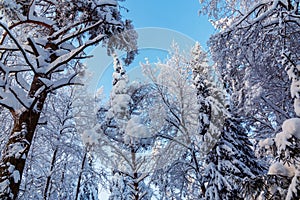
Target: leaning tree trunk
column 14, row 155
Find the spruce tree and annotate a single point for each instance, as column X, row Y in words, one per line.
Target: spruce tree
column 229, row 158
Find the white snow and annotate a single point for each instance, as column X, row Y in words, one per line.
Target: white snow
column 222, row 23
column 21, row 96
column 120, row 87
column 281, row 140
column 120, row 104
column 22, row 82
column 292, row 127
column 11, row 168
column 295, row 89
column 99, row 95
column 291, row 72
column 64, row 81
column 266, row 143
column 278, row 168
column 136, row 129
column 90, row 136
column 297, row 107
column 293, row 186
column 16, row 176
column 10, row 100
column 158, row 115
column 4, row 185
column 15, row 150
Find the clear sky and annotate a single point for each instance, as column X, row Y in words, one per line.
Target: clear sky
column 179, row 20
column 179, row 15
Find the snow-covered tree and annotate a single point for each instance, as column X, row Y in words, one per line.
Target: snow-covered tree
column 216, row 153
column 222, row 9
column 57, row 164
column 248, row 51
column 231, row 162
column 87, row 184
column 41, row 41
column 122, row 140
column 256, row 52
column 230, row 159
column 287, row 142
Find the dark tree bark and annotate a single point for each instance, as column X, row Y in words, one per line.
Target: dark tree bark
column 49, row 176
column 80, row 175
column 16, row 149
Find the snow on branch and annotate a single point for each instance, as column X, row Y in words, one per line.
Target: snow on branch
column 21, row 96
column 31, row 15
column 18, row 45
column 269, row 11
column 11, row 100
column 64, row 59
column 76, row 33
column 40, row 23
column 54, row 85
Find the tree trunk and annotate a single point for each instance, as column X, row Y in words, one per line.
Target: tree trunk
column 136, row 187
column 16, row 149
column 80, row 175
column 136, row 190
column 49, row 175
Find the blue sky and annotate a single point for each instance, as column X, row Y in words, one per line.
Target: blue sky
column 175, row 20
column 179, row 15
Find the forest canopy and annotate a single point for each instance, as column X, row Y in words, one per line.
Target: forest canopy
column 221, row 123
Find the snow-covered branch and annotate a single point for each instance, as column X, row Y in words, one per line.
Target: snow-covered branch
column 69, row 56
column 18, row 45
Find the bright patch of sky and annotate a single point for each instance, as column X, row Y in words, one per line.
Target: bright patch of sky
column 158, row 23
column 178, row 15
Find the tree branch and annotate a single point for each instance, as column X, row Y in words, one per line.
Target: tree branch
column 18, row 45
